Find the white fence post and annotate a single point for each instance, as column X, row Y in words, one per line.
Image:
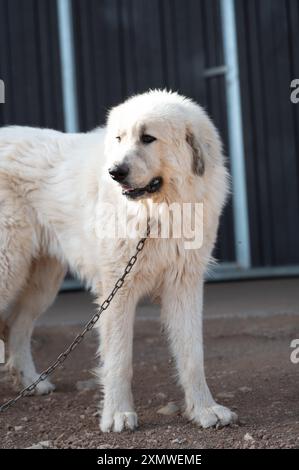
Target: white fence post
column 235, row 133
column 68, row 69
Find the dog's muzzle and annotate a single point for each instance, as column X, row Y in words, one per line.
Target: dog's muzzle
column 153, row 186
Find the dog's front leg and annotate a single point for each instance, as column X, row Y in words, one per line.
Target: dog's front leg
column 116, row 344
column 182, row 314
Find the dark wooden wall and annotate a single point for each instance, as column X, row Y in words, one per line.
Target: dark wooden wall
column 30, row 63
column 268, row 37
column 127, row 46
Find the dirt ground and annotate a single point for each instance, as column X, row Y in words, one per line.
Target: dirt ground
column 248, row 369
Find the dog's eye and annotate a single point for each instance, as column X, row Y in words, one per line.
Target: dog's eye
column 118, row 138
column 147, row 139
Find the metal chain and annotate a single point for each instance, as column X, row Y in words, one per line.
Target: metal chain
column 62, row 357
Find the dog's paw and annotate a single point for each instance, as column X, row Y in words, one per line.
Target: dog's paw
column 119, row 421
column 23, row 380
column 43, row 388
column 215, row 415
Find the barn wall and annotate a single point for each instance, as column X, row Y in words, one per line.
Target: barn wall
column 127, row 46
column 30, row 63
column 269, row 60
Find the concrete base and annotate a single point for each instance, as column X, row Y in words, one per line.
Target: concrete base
column 228, row 299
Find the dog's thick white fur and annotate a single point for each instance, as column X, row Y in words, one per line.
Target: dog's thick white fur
column 52, row 188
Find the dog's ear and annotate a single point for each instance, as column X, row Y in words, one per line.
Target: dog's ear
column 198, row 164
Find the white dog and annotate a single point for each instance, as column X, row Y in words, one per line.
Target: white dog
column 55, row 194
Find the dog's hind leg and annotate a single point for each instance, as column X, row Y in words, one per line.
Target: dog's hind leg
column 15, row 257
column 45, row 278
column 16, row 250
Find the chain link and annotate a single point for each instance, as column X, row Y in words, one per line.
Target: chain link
column 63, row 356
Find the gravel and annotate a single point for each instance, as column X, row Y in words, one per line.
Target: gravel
column 248, row 369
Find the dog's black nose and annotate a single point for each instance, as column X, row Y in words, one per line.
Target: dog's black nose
column 119, row 172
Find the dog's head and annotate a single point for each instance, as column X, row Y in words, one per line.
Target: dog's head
column 159, row 142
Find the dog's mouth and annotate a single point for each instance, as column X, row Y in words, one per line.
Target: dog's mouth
column 133, row 193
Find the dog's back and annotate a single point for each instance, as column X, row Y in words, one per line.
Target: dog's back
column 22, row 147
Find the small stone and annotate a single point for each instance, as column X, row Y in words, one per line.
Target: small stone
column 248, row 437
column 45, row 444
column 161, row 395
column 245, row 389
column 169, row 409
column 35, row 446
column 41, row 445
column 86, row 385
column 18, row 428
column 178, row 441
